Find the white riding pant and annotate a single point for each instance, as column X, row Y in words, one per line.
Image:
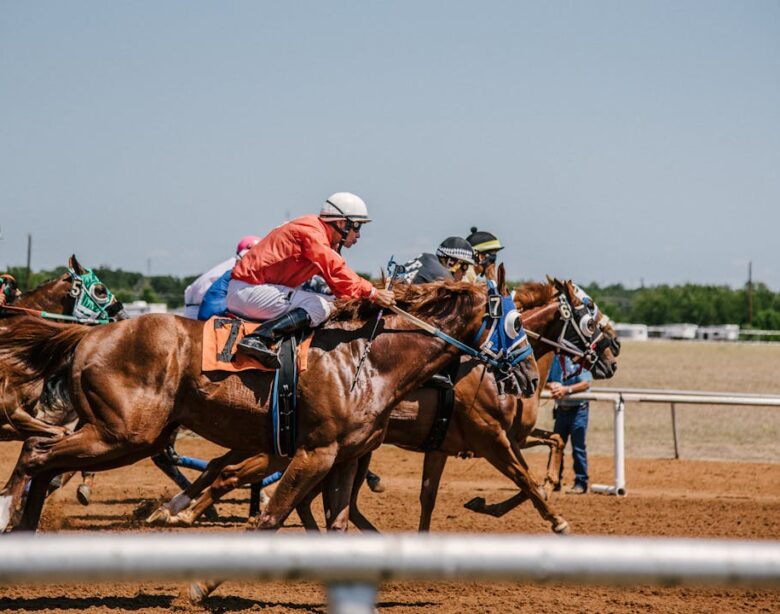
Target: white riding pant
column 270, row 301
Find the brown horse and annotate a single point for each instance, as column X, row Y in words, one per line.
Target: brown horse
column 18, row 395
column 133, row 382
column 482, row 424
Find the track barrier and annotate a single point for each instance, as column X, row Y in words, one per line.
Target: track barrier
column 353, row 566
column 620, row 396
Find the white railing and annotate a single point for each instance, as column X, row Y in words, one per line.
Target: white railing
column 620, row 396
column 352, row 566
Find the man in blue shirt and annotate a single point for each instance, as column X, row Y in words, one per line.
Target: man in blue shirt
column 571, row 416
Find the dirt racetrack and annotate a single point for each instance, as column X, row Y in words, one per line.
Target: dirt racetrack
column 713, row 498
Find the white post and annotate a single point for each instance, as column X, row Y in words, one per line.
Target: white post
column 351, row 598
column 620, row 451
column 619, row 487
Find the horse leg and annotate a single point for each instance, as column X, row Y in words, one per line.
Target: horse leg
column 230, row 478
column 306, row 470
column 477, row 504
column 168, row 512
column 433, row 467
column 503, row 458
column 355, row 515
column 303, row 509
column 337, row 494
column 554, row 441
column 84, row 490
column 45, row 457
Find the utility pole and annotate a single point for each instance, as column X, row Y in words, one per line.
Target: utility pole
column 750, row 293
column 29, row 260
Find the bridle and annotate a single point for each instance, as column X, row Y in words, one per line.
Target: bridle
column 87, row 307
column 578, row 330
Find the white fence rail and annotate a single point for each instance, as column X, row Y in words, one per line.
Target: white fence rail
column 352, row 566
column 620, row 396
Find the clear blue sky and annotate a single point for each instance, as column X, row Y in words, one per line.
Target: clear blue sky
column 606, row 141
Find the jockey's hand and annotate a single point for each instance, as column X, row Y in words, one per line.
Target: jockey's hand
column 384, row 298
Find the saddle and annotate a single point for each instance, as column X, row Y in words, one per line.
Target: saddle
column 220, row 336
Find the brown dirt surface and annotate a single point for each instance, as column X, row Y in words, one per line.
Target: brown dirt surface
column 721, row 498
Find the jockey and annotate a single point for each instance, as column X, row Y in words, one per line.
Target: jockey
column 8, row 289
column 265, row 283
column 194, row 293
column 452, row 259
column 486, row 245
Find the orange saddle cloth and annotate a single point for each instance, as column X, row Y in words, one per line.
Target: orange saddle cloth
column 220, row 336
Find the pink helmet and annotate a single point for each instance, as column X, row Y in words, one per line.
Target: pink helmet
column 246, row 242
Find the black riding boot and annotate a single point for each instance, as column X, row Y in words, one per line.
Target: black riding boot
column 258, row 344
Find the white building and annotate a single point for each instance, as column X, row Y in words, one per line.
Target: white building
column 634, row 332
column 139, row 308
column 723, row 332
column 673, row 331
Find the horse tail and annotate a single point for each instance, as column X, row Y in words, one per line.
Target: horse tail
column 36, row 347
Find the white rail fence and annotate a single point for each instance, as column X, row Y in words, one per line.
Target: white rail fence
column 353, row 566
column 620, row 396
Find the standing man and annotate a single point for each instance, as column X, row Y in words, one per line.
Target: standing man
column 571, row 416
column 265, row 283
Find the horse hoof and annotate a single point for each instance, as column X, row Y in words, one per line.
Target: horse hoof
column 562, row 528
column 158, row 518
column 477, row 504
column 197, row 593
column 84, row 494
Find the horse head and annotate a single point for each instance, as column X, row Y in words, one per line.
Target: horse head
column 78, row 292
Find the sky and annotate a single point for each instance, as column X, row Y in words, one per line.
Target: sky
column 615, row 142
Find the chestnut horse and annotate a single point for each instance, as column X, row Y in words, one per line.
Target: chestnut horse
column 481, row 423
column 135, row 381
column 19, row 396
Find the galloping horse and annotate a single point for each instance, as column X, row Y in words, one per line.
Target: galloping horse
column 481, row 423
column 76, row 294
column 133, row 382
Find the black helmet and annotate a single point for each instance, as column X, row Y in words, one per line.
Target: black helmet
column 483, row 241
column 456, row 248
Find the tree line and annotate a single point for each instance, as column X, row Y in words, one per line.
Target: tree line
column 664, row 304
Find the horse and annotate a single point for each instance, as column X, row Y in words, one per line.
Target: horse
column 133, row 382
column 481, row 422
column 76, row 294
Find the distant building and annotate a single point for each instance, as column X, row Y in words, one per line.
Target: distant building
column 723, row 332
column 634, row 332
column 673, row 331
column 139, row 308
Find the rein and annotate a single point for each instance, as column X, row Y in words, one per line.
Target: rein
column 55, row 316
column 467, row 349
column 563, row 344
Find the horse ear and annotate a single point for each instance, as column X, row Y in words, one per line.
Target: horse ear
column 74, row 264
column 501, row 280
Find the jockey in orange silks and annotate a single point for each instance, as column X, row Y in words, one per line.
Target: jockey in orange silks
column 266, row 282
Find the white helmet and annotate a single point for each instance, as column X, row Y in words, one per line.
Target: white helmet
column 345, row 205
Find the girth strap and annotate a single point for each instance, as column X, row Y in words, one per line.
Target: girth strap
column 284, row 400
column 445, row 384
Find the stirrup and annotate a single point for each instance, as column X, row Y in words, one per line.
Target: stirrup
column 258, row 350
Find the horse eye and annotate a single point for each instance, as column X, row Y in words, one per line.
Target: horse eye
column 100, row 292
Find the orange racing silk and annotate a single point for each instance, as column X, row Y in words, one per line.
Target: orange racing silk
column 294, row 252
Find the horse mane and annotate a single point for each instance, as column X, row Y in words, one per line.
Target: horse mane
column 535, row 294
column 437, row 300
column 34, row 348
